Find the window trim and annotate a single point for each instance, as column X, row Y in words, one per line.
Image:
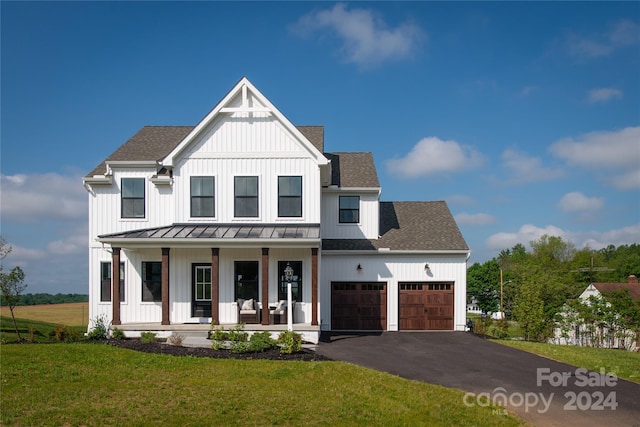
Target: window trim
column 236, row 197
column 192, row 197
column 282, row 197
column 143, row 198
column 340, row 209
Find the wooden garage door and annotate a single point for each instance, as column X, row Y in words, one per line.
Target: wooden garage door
column 426, row 306
column 358, row 306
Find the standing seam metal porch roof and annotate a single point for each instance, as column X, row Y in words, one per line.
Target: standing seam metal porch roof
column 221, row 231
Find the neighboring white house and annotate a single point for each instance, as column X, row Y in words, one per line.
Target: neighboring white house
column 192, row 220
column 574, row 330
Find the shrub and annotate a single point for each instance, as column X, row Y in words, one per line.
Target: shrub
column 117, row 334
column 99, row 330
column 240, row 346
column 237, row 334
column 262, row 341
column 175, row 339
column 61, row 333
column 290, row 342
column 147, row 337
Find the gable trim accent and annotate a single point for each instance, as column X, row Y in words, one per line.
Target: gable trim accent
column 243, row 87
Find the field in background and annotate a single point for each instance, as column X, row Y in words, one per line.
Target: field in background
column 72, row 314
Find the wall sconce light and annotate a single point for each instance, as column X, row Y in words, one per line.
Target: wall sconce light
column 359, row 267
column 426, row 268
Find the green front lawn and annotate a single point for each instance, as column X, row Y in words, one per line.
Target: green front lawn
column 625, row 364
column 95, row 384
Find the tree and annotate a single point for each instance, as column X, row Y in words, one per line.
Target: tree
column 529, row 311
column 483, row 284
column 11, row 284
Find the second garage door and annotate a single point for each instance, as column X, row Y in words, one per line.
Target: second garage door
column 426, row 306
column 359, row 306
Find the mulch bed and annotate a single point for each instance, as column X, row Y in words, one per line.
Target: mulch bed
column 173, row 350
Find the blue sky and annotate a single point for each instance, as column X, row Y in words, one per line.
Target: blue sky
column 523, row 116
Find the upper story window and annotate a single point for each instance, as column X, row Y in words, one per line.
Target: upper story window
column 246, row 196
column 202, row 196
column 290, row 196
column 132, row 198
column 349, row 209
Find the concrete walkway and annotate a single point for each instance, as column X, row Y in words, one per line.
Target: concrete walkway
column 539, row 390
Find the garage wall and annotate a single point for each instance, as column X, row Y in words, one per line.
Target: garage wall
column 393, row 268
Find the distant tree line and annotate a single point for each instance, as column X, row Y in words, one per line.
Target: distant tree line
column 537, row 283
column 42, row 298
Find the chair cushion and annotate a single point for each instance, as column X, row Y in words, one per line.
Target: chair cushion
column 248, row 305
column 248, row 311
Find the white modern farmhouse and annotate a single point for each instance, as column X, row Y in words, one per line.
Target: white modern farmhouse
column 194, row 224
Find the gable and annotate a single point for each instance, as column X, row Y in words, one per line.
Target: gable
column 243, row 116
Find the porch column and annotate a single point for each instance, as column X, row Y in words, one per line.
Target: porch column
column 215, row 285
column 115, row 286
column 314, row 286
column 165, row 286
column 265, row 286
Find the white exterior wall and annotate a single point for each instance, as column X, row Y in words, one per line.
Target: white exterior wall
column 367, row 228
column 392, row 269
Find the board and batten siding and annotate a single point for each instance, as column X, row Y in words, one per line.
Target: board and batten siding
column 392, row 269
column 367, row 228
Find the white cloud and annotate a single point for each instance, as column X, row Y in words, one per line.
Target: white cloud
column 578, row 202
column 33, row 198
column 604, row 94
column 474, row 219
column 600, row 150
column 366, row 38
column 622, row 34
column 524, row 168
column 626, row 181
column 460, row 199
column 432, row 155
column 593, row 239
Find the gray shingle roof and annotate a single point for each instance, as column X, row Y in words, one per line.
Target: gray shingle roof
column 409, row 226
column 353, row 170
column 156, row 142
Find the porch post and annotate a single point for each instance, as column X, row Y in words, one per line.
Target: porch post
column 314, row 286
column 215, row 285
column 265, row 286
column 115, row 286
column 165, row 286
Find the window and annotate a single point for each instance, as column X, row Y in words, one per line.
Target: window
column 290, row 196
column 132, row 197
column 202, row 196
column 246, row 196
column 105, row 281
column 350, row 209
column 152, row 281
column 296, row 280
column 202, row 282
column 246, row 283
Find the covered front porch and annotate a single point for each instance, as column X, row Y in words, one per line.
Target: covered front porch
column 186, row 277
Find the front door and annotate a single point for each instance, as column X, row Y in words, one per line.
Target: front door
column 201, row 290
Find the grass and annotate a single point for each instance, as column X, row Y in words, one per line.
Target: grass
column 32, row 330
column 625, row 364
column 72, row 314
column 97, row 384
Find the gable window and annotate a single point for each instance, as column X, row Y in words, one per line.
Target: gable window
column 132, row 197
column 246, row 196
column 290, row 196
column 296, row 280
column 202, row 196
column 105, row 281
column 349, row 209
column 152, row 281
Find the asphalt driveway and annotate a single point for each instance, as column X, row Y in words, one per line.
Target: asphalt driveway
column 540, row 390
